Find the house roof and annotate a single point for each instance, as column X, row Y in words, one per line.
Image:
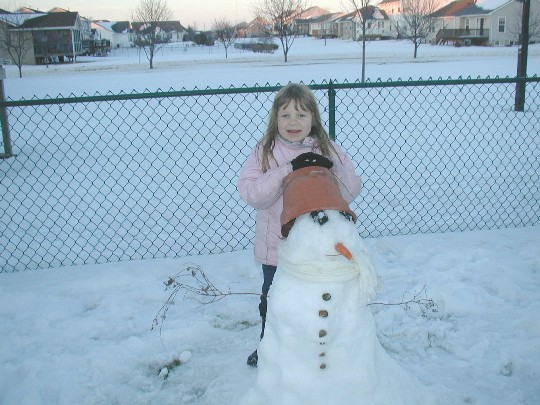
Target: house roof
column 28, row 10
column 257, row 23
column 312, row 12
column 121, row 26
column 114, row 26
column 167, row 26
column 53, row 20
column 469, row 7
column 58, row 10
column 369, row 13
column 373, row 13
column 242, row 25
column 325, row 17
column 96, row 25
column 18, row 19
column 346, row 17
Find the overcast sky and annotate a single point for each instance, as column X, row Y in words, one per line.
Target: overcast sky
column 200, row 13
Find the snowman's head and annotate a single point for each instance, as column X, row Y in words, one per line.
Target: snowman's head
column 324, row 235
column 324, row 246
column 307, row 190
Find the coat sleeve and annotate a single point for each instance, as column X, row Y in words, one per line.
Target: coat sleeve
column 350, row 183
column 261, row 189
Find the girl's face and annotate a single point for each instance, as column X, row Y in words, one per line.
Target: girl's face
column 294, row 123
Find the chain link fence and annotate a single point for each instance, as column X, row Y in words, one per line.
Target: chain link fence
column 136, row 176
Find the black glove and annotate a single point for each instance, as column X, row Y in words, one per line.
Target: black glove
column 311, row 159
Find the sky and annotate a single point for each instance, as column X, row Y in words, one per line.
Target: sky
column 198, row 14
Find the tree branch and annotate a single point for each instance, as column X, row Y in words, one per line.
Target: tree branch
column 197, row 286
column 419, row 298
column 194, row 283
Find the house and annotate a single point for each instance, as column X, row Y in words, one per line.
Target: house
column 169, row 31
column 390, row 7
column 378, row 25
column 54, row 37
column 322, row 26
column 257, row 28
column 175, row 31
column 85, row 22
column 345, row 26
column 302, row 21
column 9, row 24
column 241, row 29
column 118, row 33
column 483, row 22
column 9, row 21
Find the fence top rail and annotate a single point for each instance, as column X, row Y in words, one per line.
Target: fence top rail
column 331, row 85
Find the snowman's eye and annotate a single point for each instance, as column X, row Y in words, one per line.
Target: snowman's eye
column 346, row 215
column 320, row 217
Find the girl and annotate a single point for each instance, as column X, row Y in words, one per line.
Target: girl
column 295, row 138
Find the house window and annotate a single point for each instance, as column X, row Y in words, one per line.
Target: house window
column 467, row 24
column 502, row 24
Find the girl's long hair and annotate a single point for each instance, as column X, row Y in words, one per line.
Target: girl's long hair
column 303, row 98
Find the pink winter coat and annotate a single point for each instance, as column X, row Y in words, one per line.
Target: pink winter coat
column 264, row 192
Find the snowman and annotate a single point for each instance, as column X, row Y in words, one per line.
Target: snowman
column 320, row 344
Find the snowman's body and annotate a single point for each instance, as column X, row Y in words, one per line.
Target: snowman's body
column 320, row 344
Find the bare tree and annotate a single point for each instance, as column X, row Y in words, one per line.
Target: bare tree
column 225, row 33
column 416, row 21
column 281, row 15
column 151, row 16
column 514, row 25
column 362, row 10
column 14, row 40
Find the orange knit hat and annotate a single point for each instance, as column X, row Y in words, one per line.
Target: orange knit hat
column 310, row 189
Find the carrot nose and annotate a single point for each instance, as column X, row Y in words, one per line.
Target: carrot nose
column 342, row 250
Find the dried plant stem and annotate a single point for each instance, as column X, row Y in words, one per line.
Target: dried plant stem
column 193, row 281
column 419, row 298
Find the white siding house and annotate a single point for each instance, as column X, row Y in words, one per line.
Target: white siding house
column 119, row 33
column 484, row 22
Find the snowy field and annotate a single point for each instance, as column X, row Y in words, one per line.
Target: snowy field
column 310, row 59
column 83, row 334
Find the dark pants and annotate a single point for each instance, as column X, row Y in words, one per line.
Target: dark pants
column 268, row 273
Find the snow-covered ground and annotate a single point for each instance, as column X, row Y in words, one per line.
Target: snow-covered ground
column 83, row 334
column 310, row 59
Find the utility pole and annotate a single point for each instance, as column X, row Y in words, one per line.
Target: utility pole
column 522, row 57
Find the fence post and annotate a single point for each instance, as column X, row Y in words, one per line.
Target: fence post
column 332, row 111
column 3, row 119
column 522, row 57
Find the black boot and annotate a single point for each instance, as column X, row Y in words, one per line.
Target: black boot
column 253, row 358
